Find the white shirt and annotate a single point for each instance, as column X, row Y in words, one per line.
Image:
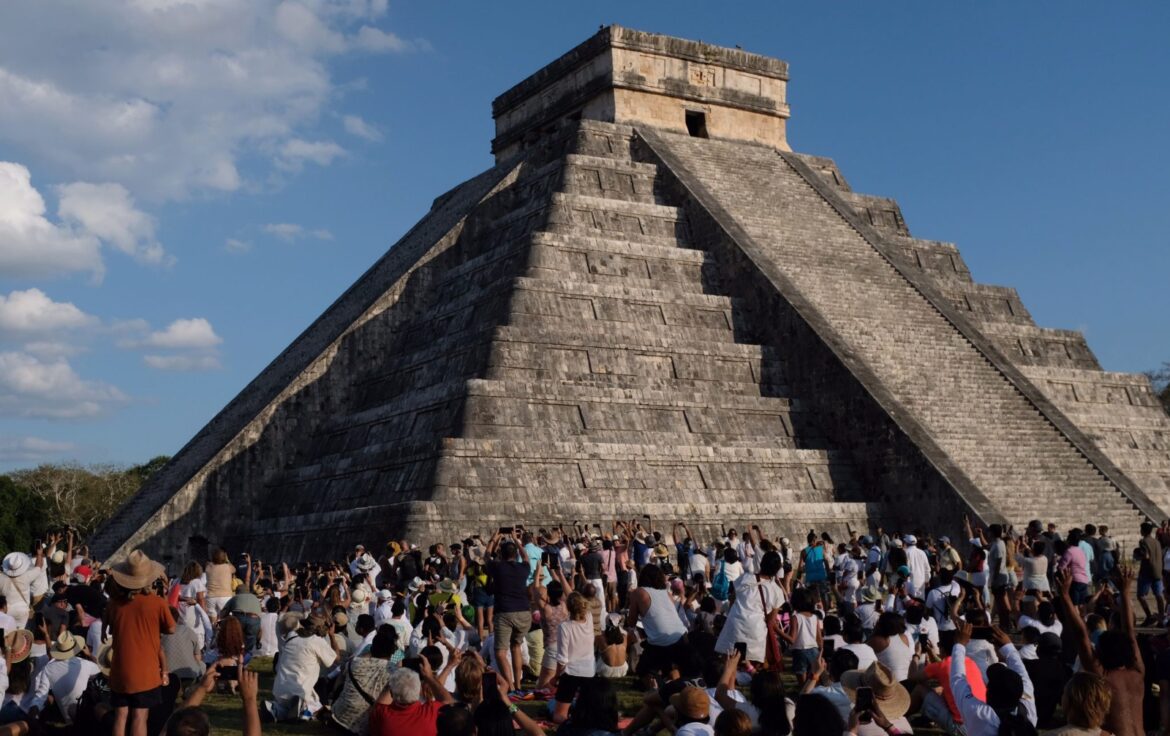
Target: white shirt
column 919, row 565
column 67, row 680
column 301, row 660
column 267, row 645
column 747, row 556
column 937, row 607
column 21, row 589
column 865, row 654
column 978, row 717
column 7, row 622
column 383, row 613
column 575, row 648
column 1056, row 627
column 695, row 729
column 733, row 571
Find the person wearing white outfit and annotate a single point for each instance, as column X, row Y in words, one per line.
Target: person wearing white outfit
column 1010, row 696
column 757, row 599
column 23, row 584
column 919, row 565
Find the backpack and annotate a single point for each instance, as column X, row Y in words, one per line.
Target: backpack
column 720, row 585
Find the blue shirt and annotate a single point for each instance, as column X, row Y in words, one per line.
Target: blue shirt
column 534, row 553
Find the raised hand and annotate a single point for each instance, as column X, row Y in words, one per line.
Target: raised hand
column 249, row 683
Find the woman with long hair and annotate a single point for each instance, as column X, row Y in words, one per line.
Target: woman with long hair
column 193, row 600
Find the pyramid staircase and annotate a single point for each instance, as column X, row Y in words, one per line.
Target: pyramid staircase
column 842, row 260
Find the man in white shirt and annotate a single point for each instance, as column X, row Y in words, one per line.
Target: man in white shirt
column 919, row 565
column 22, row 584
column 302, row 659
column 384, row 612
column 65, row 675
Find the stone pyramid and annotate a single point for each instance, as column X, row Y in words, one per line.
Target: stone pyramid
column 650, row 305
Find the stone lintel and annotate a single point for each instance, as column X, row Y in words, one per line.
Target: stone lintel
column 625, row 76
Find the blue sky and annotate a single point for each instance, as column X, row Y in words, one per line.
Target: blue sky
column 187, row 184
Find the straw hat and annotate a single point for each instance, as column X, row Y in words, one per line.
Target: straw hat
column 359, row 595
column 105, row 656
column 58, row 557
column 365, row 563
column 891, row 697
column 18, row 643
column 448, row 586
column 136, row 571
column 16, row 564
column 871, row 594
column 66, row 646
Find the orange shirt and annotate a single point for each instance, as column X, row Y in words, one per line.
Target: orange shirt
column 941, row 671
column 137, row 627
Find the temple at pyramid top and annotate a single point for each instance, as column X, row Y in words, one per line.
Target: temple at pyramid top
column 632, row 77
column 650, row 305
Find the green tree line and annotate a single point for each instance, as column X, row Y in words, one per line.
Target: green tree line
column 53, row 496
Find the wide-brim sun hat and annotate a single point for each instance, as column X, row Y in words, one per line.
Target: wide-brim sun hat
column 365, row 563
column 448, row 586
column 476, row 554
column 890, row 695
column 66, row 646
column 18, row 644
column 105, row 656
column 136, row 571
column 359, row 595
column 871, row 594
column 16, row 564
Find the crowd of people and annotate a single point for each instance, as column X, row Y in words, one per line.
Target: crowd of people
column 1005, row 633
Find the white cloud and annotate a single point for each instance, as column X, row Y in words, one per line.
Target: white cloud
column 290, row 231
column 175, row 97
column 182, row 362
column 32, row 311
column 185, row 333
column 32, row 449
column 235, row 245
column 296, row 152
column 30, row 245
column 372, row 39
column 52, row 349
column 354, row 125
column 108, row 211
column 51, row 389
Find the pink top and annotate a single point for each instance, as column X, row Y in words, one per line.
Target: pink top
column 609, row 557
column 1074, row 560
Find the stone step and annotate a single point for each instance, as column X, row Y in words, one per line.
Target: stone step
column 550, row 353
column 610, row 380
column 937, row 259
column 643, row 223
column 609, row 178
column 564, row 411
column 653, row 267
